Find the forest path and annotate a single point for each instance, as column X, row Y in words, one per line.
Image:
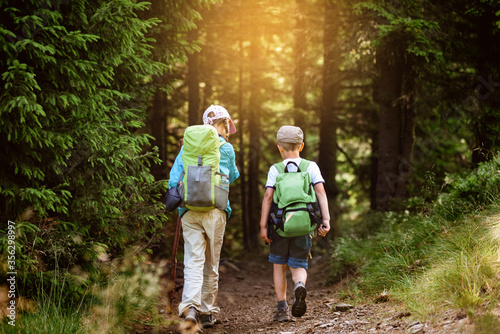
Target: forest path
column 247, row 302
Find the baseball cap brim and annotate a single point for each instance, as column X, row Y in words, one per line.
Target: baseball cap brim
column 232, row 128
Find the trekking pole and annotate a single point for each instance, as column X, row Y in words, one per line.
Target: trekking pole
column 173, row 266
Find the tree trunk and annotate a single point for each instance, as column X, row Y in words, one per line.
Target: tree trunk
column 241, row 154
column 207, row 69
column 299, row 89
column 487, row 93
column 331, row 85
column 254, row 136
column 407, row 145
column 193, row 82
column 374, row 161
column 390, row 125
column 327, row 160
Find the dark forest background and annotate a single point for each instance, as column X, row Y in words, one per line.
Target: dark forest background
column 397, row 99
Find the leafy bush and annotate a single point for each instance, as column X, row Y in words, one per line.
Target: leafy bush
column 446, row 235
column 76, row 81
column 444, row 257
column 473, row 191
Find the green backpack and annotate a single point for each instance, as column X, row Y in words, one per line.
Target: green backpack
column 203, row 186
column 295, row 210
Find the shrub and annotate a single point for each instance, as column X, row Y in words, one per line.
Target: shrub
column 446, row 241
column 76, row 81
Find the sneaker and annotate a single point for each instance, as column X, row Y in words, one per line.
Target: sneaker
column 191, row 322
column 191, row 314
column 207, row 320
column 299, row 306
column 281, row 315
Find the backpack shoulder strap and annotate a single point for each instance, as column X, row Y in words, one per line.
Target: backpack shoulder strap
column 221, row 142
column 304, row 164
column 279, row 166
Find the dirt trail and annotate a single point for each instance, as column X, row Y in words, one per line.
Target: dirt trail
column 247, row 302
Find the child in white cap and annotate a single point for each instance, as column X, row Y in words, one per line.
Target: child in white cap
column 203, row 232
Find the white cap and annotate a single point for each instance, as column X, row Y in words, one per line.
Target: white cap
column 219, row 112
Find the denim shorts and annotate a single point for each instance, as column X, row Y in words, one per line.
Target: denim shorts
column 291, row 251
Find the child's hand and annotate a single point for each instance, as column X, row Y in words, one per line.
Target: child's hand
column 263, row 235
column 324, row 228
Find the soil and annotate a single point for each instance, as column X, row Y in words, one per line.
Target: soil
column 247, row 302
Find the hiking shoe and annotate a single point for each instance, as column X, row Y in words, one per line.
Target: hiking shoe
column 281, row 315
column 191, row 314
column 299, row 306
column 207, row 320
column 191, row 323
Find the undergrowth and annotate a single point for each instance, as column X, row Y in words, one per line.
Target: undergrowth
column 444, row 256
column 126, row 295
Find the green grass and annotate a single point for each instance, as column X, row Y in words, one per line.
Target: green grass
column 446, row 256
column 463, row 270
column 48, row 319
column 127, row 297
column 49, row 313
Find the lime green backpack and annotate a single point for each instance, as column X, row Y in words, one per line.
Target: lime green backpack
column 203, row 186
column 295, row 210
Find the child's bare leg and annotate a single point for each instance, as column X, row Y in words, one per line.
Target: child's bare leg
column 298, row 275
column 279, row 277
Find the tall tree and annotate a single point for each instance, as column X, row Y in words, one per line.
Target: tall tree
column 330, row 91
column 299, row 88
column 405, row 43
column 486, row 37
column 391, row 65
column 76, row 83
column 245, row 221
column 254, row 131
column 193, row 81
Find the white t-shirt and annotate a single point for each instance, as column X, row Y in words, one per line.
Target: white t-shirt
column 312, row 169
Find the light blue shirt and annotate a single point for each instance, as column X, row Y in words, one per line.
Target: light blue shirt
column 227, row 166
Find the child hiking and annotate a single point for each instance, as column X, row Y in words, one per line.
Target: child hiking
column 289, row 216
column 203, row 170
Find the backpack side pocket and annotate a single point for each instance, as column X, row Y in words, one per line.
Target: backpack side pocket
column 221, row 191
column 221, row 197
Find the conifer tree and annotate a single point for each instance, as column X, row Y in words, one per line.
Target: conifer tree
column 76, row 80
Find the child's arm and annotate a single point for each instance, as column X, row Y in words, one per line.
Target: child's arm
column 323, row 204
column 266, row 207
column 176, row 171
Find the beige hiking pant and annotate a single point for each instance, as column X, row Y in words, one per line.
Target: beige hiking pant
column 203, row 234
